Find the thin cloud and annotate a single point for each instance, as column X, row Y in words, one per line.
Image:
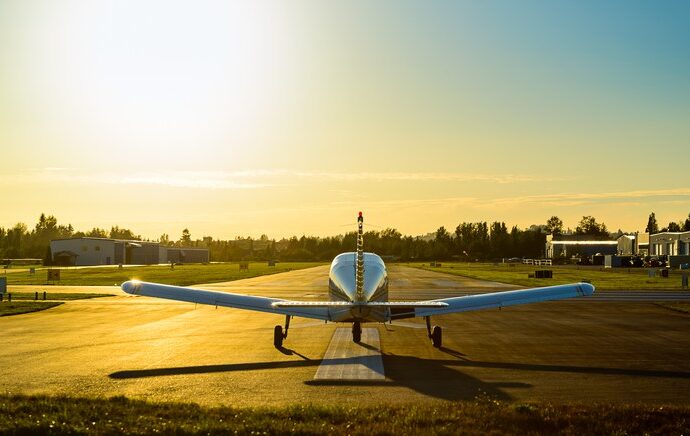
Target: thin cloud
column 252, row 179
column 576, row 199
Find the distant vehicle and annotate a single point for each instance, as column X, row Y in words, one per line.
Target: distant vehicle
column 514, row 260
column 358, row 291
column 654, row 262
column 584, row 260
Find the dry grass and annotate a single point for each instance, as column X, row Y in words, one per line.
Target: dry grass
column 40, row 414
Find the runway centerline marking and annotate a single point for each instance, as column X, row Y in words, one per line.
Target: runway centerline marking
column 346, row 360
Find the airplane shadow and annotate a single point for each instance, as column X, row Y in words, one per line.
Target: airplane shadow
column 290, row 352
column 438, row 378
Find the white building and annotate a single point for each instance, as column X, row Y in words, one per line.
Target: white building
column 102, row 251
column 633, row 245
column 669, row 244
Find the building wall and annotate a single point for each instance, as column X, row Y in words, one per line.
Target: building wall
column 90, row 251
column 626, row 245
column 669, row 244
column 584, row 245
column 163, row 254
column 188, row 255
column 146, row 254
column 94, row 251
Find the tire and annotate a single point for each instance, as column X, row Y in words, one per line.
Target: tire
column 437, row 337
column 278, row 336
column 356, row 332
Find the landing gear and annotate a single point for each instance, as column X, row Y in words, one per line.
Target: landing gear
column 356, row 332
column 279, row 335
column 436, row 337
column 435, row 334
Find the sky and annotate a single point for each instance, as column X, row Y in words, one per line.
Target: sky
column 287, row 118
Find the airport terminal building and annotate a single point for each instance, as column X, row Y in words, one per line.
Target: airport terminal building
column 103, row 251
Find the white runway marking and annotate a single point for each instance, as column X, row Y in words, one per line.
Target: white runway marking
column 345, row 360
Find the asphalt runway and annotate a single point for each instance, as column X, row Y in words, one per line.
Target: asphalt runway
column 584, row 350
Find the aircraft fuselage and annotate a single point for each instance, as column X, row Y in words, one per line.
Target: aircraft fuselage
column 342, row 286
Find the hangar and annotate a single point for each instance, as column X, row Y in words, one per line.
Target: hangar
column 633, row 245
column 577, row 245
column 102, row 251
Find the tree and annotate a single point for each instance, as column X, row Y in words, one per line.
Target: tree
column 164, row 240
column 118, row 233
column 673, row 227
column 554, row 225
column 588, row 226
column 686, row 224
column 652, row 226
column 97, row 233
column 186, row 238
column 442, row 243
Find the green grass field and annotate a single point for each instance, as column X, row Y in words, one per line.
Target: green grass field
column 182, row 275
column 64, row 415
column 602, row 279
column 20, row 307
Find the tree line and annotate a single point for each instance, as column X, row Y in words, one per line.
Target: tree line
column 673, row 226
column 468, row 241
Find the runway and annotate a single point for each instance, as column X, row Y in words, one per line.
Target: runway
column 587, row 350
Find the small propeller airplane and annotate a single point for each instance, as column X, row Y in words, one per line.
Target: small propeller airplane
column 358, row 292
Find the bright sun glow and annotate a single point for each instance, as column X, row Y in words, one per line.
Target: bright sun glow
column 286, row 118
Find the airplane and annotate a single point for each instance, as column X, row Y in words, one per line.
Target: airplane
column 358, row 292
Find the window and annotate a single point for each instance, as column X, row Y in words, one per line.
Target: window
column 97, row 248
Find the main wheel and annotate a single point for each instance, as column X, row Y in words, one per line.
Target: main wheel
column 278, row 336
column 437, row 337
column 356, row 332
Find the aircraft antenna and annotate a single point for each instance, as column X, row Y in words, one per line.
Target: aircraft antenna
column 359, row 270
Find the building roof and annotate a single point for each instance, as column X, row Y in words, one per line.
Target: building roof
column 91, row 238
column 584, row 242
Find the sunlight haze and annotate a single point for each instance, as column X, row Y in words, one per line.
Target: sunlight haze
column 287, row 118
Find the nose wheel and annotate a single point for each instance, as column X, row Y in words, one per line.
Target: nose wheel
column 435, row 334
column 356, row 332
column 279, row 334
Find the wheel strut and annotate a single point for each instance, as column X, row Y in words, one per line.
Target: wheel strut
column 287, row 325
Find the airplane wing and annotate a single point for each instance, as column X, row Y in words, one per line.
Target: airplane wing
column 225, row 299
column 502, row 299
column 323, row 309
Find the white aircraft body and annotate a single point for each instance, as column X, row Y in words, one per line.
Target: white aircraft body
column 358, row 292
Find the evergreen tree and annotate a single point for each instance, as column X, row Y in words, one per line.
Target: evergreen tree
column 652, row 226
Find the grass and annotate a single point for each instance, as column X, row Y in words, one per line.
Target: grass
column 17, row 308
column 42, row 414
column 181, row 275
column 602, row 279
column 60, row 296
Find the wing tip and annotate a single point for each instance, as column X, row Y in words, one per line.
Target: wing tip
column 587, row 288
column 130, row 286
